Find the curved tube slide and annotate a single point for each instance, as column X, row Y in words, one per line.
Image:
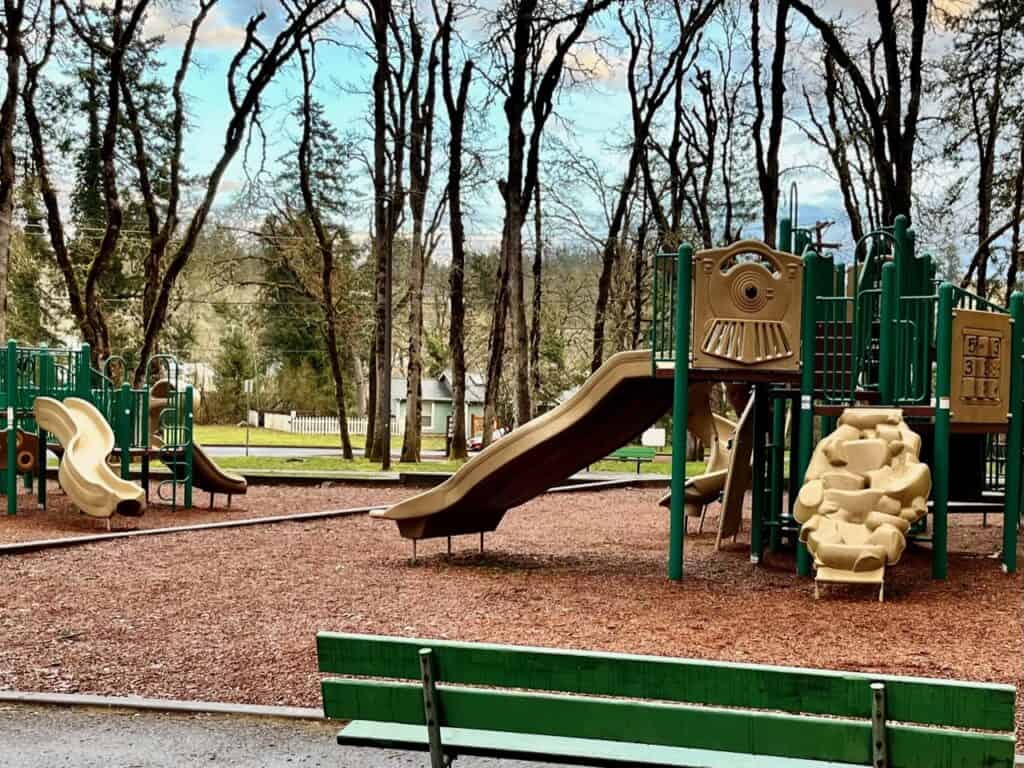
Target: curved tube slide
column 84, row 474
column 611, row 407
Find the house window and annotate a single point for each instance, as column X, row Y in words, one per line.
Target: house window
column 427, row 416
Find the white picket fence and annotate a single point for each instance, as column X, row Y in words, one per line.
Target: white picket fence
column 306, row 424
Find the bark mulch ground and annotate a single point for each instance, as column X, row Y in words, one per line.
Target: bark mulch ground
column 61, row 520
column 230, row 615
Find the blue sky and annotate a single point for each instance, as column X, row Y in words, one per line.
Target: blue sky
column 598, row 115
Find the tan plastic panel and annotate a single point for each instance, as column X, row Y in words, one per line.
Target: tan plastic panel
column 740, row 476
column 980, row 392
column 746, row 315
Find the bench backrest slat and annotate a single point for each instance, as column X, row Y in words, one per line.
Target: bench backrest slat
column 640, row 722
column 789, row 689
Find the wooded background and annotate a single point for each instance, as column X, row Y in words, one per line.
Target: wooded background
column 461, row 215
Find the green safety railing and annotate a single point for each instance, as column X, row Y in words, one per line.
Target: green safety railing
column 663, row 317
column 175, row 426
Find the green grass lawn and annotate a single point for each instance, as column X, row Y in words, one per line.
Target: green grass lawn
column 335, row 464
column 328, row 464
column 222, row 434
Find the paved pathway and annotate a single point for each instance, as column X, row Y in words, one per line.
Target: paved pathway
column 75, row 737
column 290, row 451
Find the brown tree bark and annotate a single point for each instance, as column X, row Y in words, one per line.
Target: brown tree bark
column 892, row 128
column 421, row 138
column 533, row 77
column 538, row 291
column 12, row 33
column 1017, row 214
column 379, row 448
column 768, row 160
column 455, row 104
column 325, row 244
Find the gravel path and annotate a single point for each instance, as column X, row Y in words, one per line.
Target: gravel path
column 230, row 615
column 58, row 737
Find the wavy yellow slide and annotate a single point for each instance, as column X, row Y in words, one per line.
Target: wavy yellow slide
column 612, row 407
column 84, row 474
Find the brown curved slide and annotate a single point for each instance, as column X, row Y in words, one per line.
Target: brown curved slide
column 206, row 475
column 209, row 477
column 613, row 406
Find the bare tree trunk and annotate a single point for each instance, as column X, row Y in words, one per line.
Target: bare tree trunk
column 1016, row 254
column 371, row 397
column 768, row 161
column 986, row 127
column 14, row 15
column 538, row 285
column 638, row 279
column 455, row 103
column 325, row 243
column 381, row 447
column 496, row 345
column 517, row 301
column 420, row 167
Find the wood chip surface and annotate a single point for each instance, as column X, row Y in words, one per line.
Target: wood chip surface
column 230, row 615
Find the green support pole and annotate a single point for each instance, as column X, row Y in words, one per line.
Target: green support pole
column 1014, row 434
column 83, row 376
column 805, row 440
column 11, row 476
column 940, row 475
column 124, row 428
column 681, row 382
column 760, row 461
column 778, row 456
column 785, row 234
column 887, row 336
column 188, row 446
column 48, row 382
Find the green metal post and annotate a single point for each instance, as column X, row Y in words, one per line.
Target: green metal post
column 808, row 335
column 887, row 335
column 189, row 401
column 47, row 383
column 680, row 409
column 83, row 376
column 11, row 476
column 124, row 428
column 778, row 456
column 762, row 430
column 1015, row 434
column 785, row 234
column 940, row 475
column 902, row 254
column 801, row 241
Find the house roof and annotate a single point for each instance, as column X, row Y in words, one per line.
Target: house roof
column 439, row 390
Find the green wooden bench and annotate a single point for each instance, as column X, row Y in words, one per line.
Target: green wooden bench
column 632, row 453
column 615, row 709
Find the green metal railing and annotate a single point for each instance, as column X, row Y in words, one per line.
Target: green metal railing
column 663, row 319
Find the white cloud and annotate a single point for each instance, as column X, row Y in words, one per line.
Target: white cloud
column 217, row 30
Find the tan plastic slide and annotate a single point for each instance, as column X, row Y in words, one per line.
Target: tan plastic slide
column 613, row 406
column 84, row 474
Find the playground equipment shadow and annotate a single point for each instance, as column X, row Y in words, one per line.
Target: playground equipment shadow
column 230, row 615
